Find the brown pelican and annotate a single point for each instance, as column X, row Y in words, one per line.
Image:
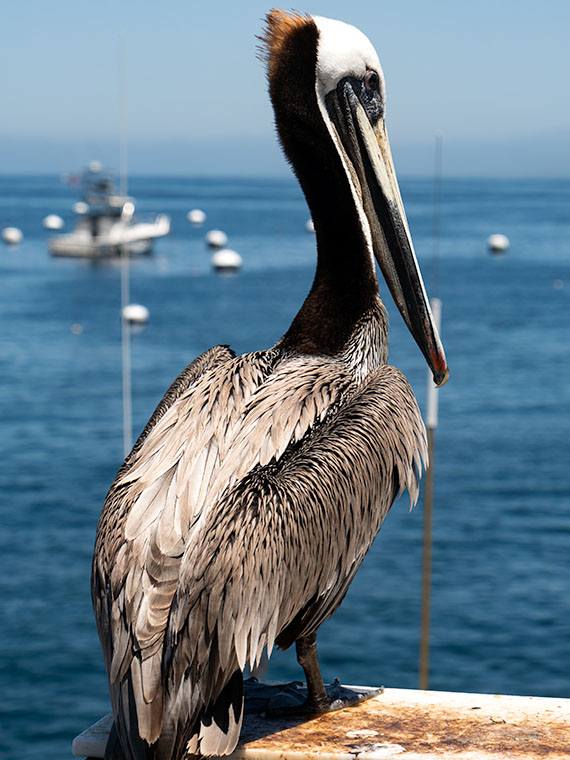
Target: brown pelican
column 253, row 494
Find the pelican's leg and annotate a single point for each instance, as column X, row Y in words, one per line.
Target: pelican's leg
column 277, row 700
column 335, row 696
column 317, row 699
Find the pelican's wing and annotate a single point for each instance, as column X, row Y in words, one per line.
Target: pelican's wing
column 237, row 415
column 275, row 554
column 117, row 570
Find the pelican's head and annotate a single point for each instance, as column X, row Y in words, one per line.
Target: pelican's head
column 327, row 89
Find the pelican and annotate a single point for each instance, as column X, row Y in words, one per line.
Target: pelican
column 252, row 496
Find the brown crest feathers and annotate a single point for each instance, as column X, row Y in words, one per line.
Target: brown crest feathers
column 279, row 25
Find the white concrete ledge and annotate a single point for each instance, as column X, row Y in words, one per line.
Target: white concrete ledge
column 401, row 723
column 91, row 743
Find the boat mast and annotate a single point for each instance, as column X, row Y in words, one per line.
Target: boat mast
column 125, row 326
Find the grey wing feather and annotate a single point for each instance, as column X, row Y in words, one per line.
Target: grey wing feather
column 196, row 368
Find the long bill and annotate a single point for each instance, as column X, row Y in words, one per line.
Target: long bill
column 367, row 151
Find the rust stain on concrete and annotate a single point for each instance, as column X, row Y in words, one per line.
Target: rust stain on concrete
column 490, row 726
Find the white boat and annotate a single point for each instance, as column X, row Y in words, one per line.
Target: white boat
column 105, row 224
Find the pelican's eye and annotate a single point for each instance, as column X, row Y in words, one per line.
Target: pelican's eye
column 371, row 80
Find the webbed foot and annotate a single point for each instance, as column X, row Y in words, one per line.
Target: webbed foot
column 292, row 699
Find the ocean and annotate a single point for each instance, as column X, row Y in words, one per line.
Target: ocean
column 501, row 555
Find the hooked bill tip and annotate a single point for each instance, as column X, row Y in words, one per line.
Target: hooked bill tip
column 441, row 379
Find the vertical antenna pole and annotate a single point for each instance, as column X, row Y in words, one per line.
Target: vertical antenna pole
column 125, row 327
column 126, row 353
column 431, row 424
column 123, row 154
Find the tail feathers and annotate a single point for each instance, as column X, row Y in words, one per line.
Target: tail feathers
column 215, row 732
column 113, row 748
column 218, row 728
column 125, row 741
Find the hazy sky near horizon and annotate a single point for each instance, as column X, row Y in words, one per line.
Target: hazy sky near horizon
column 491, row 76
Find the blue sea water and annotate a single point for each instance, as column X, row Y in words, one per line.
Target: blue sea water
column 501, row 573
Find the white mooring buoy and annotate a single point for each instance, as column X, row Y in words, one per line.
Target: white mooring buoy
column 53, row 222
column 12, row 235
column 80, row 207
column 196, row 217
column 216, row 239
column 498, row 243
column 136, row 314
column 226, row 260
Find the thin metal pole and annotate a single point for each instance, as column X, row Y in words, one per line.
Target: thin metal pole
column 426, row 570
column 431, row 424
column 123, row 152
column 126, row 353
column 125, row 295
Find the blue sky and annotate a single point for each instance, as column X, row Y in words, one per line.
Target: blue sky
column 491, row 76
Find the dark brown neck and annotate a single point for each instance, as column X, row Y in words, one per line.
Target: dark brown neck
column 345, row 287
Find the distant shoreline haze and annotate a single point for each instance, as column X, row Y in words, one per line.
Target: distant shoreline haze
column 547, row 156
